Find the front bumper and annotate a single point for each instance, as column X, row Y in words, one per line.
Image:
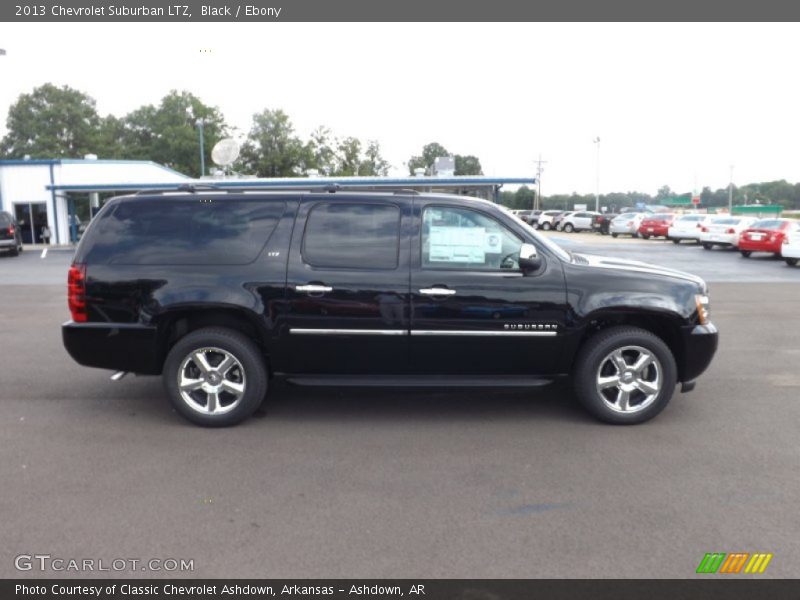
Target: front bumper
column 117, row 346
column 699, row 346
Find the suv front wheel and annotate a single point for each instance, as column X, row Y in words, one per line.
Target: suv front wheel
column 215, row 377
column 625, row 375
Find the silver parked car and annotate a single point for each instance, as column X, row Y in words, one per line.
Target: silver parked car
column 626, row 224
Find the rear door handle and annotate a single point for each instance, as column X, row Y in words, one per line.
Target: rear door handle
column 437, row 291
column 313, row 289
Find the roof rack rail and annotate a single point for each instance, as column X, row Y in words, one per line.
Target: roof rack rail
column 409, row 191
column 189, row 188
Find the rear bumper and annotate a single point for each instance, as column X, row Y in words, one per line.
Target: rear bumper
column 10, row 243
column 115, row 346
column 772, row 247
column 699, row 346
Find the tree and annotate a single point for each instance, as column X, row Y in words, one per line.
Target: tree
column 51, row 122
column 168, row 133
column 468, row 165
column 348, row 157
column 272, row 148
column 320, row 153
column 373, row 164
column 430, row 152
column 664, row 192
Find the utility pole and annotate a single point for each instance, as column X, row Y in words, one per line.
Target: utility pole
column 730, row 193
column 597, row 182
column 537, row 203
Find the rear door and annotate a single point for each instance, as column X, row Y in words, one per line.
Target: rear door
column 348, row 286
column 473, row 310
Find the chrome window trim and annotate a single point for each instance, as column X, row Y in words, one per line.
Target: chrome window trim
column 423, row 332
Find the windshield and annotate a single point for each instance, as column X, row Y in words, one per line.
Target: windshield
column 768, row 224
column 659, row 218
column 628, row 215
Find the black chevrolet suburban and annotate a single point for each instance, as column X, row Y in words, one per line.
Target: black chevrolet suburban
column 223, row 292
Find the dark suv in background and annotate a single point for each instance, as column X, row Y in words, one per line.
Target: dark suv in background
column 10, row 235
column 221, row 292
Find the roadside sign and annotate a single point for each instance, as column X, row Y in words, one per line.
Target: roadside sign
column 695, row 200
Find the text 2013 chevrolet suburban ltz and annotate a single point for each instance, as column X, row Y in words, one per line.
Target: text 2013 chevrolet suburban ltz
column 221, row 292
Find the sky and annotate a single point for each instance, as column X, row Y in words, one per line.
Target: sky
column 672, row 104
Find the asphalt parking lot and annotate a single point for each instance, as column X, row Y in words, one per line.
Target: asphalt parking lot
column 334, row 483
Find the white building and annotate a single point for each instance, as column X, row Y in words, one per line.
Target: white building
column 59, row 196
column 44, row 193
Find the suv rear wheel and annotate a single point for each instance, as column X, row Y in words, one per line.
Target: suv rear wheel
column 215, row 377
column 625, row 375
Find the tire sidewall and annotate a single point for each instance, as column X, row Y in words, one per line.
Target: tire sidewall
column 243, row 349
column 597, row 347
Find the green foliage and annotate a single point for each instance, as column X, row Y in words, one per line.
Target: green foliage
column 465, row 164
column 272, row 149
column 51, row 122
column 468, row 165
column 168, row 133
column 430, row 152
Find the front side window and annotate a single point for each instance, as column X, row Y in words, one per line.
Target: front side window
column 352, row 236
column 457, row 238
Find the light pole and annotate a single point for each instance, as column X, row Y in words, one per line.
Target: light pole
column 200, row 124
column 730, row 193
column 597, row 181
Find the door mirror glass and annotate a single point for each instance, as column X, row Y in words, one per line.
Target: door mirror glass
column 529, row 259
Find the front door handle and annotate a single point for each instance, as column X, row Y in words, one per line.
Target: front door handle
column 313, row 289
column 437, row 291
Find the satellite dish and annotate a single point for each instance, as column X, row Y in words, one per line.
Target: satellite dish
column 225, row 152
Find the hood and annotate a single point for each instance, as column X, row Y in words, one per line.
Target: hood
column 620, row 264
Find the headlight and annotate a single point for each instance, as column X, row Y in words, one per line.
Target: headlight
column 702, row 308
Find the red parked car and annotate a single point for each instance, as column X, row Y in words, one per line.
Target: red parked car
column 765, row 235
column 656, row 225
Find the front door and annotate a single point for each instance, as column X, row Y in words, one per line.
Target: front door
column 32, row 220
column 473, row 310
column 347, row 287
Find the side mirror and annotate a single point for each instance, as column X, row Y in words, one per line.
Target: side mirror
column 529, row 259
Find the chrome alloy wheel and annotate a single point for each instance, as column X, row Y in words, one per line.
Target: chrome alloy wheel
column 211, row 381
column 629, row 379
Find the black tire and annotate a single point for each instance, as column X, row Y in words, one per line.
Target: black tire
column 546, row 226
column 14, row 251
column 645, row 236
column 593, row 356
column 614, row 235
column 792, row 262
column 745, row 253
column 707, row 246
column 253, row 374
column 568, row 228
column 635, row 234
column 675, row 240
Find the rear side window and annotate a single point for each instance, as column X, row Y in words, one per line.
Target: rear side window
column 5, row 220
column 352, row 236
column 184, row 232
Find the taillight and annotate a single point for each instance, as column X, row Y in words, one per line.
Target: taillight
column 731, row 230
column 76, row 292
column 11, row 230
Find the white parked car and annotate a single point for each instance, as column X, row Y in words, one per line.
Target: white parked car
column 546, row 219
column 578, row 221
column 626, row 224
column 724, row 231
column 687, row 227
column 790, row 251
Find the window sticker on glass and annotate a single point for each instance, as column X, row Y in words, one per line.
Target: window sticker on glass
column 457, row 244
